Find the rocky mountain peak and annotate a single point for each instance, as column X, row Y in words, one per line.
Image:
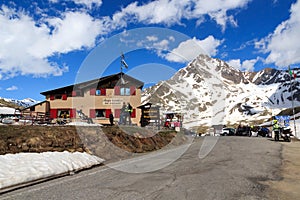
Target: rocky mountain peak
column 209, row 91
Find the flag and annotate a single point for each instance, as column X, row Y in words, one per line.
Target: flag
column 124, row 64
column 292, row 73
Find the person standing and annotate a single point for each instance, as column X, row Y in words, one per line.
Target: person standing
column 276, row 130
column 128, row 111
column 122, row 119
column 111, row 119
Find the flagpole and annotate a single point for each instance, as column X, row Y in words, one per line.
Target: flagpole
column 293, row 107
column 121, row 67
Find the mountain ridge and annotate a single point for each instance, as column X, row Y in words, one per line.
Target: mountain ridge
column 209, row 91
column 15, row 103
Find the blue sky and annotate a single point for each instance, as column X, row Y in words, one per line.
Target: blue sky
column 53, row 43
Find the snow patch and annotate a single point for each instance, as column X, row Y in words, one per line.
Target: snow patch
column 24, row 167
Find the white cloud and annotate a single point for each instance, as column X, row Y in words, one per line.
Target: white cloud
column 236, row 63
column 76, row 30
column 89, row 3
column 283, row 45
column 161, row 45
column 246, row 65
column 12, row 88
column 217, row 10
column 151, row 38
column 26, row 45
column 173, row 11
column 190, row 49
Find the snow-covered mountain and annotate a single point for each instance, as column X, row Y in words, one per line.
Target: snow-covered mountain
column 208, row 91
column 17, row 103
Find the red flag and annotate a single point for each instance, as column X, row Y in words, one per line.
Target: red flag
column 292, row 73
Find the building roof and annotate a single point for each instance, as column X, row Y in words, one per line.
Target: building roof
column 39, row 103
column 110, row 81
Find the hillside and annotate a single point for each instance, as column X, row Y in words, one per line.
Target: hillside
column 4, row 103
column 110, row 143
column 208, row 91
column 13, row 103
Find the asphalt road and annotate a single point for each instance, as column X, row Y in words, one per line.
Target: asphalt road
column 236, row 168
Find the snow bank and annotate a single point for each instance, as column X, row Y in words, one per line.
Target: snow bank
column 82, row 124
column 7, row 110
column 24, row 167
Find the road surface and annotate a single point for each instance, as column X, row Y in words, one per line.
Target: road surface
column 236, row 168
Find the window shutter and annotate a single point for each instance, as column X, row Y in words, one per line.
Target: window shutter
column 103, row 91
column 74, row 93
column 107, row 113
column 64, row 97
column 133, row 114
column 53, row 113
column 92, row 113
column 51, row 97
column 117, row 113
column 73, row 113
column 117, row 90
column 93, row 91
column 132, row 90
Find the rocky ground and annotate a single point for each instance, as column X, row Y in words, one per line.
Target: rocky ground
column 109, row 143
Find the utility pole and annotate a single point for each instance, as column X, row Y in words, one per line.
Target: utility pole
column 292, row 94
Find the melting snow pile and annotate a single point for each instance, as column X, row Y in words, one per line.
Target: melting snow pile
column 24, row 167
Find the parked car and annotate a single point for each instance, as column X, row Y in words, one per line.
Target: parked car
column 227, row 131
column 243, row 131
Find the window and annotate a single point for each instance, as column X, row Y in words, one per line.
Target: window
column 103, row 113
column 63, row 113
column 100, row 113
column 98, row 92
column 101, row 92
column 125, row 91
column 76, row 93
column 58, row 96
